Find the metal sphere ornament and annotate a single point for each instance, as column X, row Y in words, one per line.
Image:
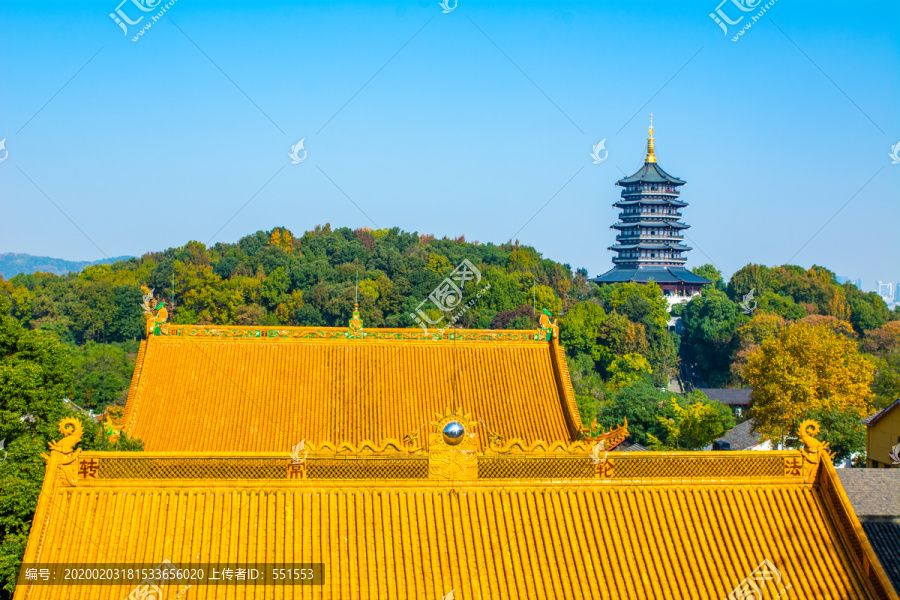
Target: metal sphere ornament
column 453, row 433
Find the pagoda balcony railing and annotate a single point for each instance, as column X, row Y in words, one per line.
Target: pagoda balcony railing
column 650, row 188
column 655, row 215
column 626, row 238
column 649, row 259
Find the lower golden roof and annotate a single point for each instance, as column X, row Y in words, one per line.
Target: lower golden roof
column 633, row 525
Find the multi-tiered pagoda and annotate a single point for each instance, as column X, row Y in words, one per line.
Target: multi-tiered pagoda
column 650, row 243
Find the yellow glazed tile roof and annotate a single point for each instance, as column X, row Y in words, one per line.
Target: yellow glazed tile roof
column 632, row 525
column 484, row 539
column 259, row 389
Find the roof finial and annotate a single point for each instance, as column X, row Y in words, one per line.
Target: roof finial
column 651, row 156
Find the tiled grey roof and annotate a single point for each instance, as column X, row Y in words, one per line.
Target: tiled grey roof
column 628, row 447
column 885, row 539
column 740, row 397
column 874, row 495
column 871, row 419
column 872, row 492
column 740, row 437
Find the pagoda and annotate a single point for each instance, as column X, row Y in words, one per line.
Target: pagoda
column 650, row 243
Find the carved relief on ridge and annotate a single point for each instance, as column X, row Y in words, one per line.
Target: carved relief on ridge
column 453, row 446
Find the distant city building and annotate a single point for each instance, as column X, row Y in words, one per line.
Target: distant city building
column 841, row 279
column 650, row 243
column 885, row 289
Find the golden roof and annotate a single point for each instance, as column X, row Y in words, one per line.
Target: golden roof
column 266, row 388
column 534, row 521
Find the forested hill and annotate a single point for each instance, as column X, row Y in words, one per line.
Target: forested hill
column 271, row 278
column 13, row 264
column 614, row 335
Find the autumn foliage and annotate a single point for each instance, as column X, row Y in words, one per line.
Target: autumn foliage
column 807, row 367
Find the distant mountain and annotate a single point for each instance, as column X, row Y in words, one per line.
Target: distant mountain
column 12, row 264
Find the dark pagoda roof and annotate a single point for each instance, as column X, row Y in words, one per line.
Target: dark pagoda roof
column 648, row 223
column 645, row 200
column 652, row 246
column 646, row 274
column 651, row 172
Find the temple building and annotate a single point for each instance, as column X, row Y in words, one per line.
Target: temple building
column 650, row 240
column 428, row 465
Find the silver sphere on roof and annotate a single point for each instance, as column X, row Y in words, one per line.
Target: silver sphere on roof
column 453, row 433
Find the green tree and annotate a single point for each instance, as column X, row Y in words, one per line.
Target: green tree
column 579, row 329
column 35, row 376
column 711, row 273
column 696, row 422
column 102, row 374
column 627, row 369
column 710, row 323
column 641, row 303
column 640, row 403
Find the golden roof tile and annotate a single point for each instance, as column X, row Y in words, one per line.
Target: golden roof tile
column 257, row 389
column 710, row 524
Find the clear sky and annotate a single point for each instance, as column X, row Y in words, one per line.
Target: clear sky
column 477, row 121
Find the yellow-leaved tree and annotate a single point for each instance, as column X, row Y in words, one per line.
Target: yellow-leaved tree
column 625, row 370
column 804, row 368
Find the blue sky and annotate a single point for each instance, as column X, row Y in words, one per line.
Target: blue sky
column 467, row 122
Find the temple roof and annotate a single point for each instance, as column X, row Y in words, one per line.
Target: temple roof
column 649, row 201
column 650, row 172
column 533, row 522
column 650, row 223
column 266, row 388
column 733, row 397
column 650, row 246
column 646, row 274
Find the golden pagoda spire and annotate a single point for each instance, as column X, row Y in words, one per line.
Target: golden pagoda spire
column 651, row 157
